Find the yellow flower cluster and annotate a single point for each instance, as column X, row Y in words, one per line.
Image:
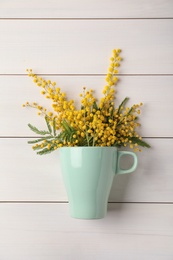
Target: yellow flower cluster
column 95, row 124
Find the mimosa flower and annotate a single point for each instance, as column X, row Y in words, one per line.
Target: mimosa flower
column 96, row 123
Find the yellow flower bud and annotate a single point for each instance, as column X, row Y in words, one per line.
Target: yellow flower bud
column 48, row 146
column 82, row 134
column 111, row 69
column 53, row 84
column 50, row 114
column 117, row 64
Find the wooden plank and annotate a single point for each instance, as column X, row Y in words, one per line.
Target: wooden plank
column 155, row 118
column 45, row 231
column 25, row 176
column 84, row 46
column 28, row 176
column 86, row 9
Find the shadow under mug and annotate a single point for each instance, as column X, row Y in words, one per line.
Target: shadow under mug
column 88, row 173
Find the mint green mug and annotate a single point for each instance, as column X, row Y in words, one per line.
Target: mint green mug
column 88, row 173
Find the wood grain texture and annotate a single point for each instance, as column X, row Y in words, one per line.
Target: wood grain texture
column 84, row 47
column 86, row 9
column 152, row 91
column 130, row 231
column 25, row 176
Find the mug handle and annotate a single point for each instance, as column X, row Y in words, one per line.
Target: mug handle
column 134, row 166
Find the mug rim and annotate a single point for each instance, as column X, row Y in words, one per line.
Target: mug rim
column 87, row 147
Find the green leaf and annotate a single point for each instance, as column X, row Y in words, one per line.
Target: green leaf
column 122, row 104
column 95, row 105
column 136, row 140
column 54, row 127
column 35, row 130
column 48, row 124
column 38, row 147
column 45, row 151
column 117, row 145
column 39, row 140
column 67, row 128
column 131, row 109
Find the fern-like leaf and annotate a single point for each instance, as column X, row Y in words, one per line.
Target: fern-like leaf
column 48, row 124
column 39, row 140
column 45, row 151
column 38, row 147
column 122, row 104
column 67, row 128
column 130, row 111
column 136, row 140
column 95, row 105
column 54, row 127
column 37, row 131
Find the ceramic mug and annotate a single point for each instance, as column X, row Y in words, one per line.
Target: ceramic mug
column 88, row 173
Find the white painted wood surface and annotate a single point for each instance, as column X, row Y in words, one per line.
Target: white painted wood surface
column 84, row 46
column 86, row 9
column 45, row 231
column 75, row 38
column 151, row 90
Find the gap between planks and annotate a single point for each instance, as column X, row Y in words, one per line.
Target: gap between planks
column 30, row 137
column 87, row 18
column 85, row 75
column 66, row 202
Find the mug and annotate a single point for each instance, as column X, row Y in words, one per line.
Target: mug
column 88, row 173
